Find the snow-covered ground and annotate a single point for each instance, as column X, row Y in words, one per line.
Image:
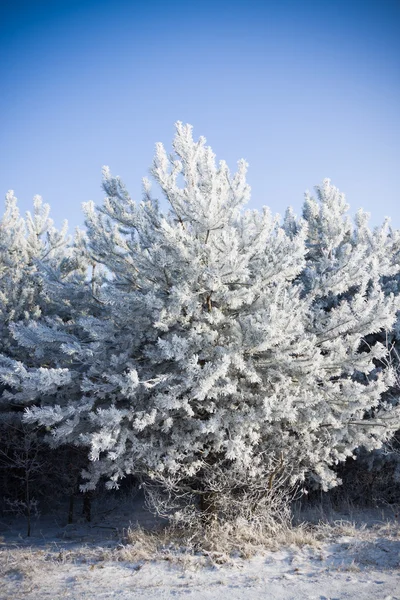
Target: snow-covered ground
column 342, row 560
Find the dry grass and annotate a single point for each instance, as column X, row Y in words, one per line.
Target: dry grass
column 325, row 531
column 199, row 547
column 205, row 546
column 216, row 543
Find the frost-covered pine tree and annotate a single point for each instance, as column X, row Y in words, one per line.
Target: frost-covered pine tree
column 42, row 275
column 37, row 264
column 346, row 269
column 24, row 243
column 216, row 366
column 377, row 474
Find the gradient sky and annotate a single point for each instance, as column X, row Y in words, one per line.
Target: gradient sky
column 301, row 89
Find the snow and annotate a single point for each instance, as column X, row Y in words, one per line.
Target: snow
column 331, row 572
column 345, row 561
column 282, row 576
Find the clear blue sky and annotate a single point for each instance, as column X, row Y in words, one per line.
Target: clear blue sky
column 301, row 89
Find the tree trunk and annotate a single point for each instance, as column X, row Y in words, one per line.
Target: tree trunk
column 87, row 507
column 71, row 509
column 207, row 507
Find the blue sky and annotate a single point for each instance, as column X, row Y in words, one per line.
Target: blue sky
column 301, row 89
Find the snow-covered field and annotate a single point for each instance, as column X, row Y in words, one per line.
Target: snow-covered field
column 345, row 569
column 342, row 559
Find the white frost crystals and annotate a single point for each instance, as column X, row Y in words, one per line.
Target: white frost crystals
column 218, row 341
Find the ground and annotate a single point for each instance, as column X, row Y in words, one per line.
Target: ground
column 348, row 556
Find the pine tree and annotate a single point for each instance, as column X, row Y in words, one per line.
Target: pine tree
column 226, row 351
column 346, row 269
column 38, row 264
column 42, row 275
